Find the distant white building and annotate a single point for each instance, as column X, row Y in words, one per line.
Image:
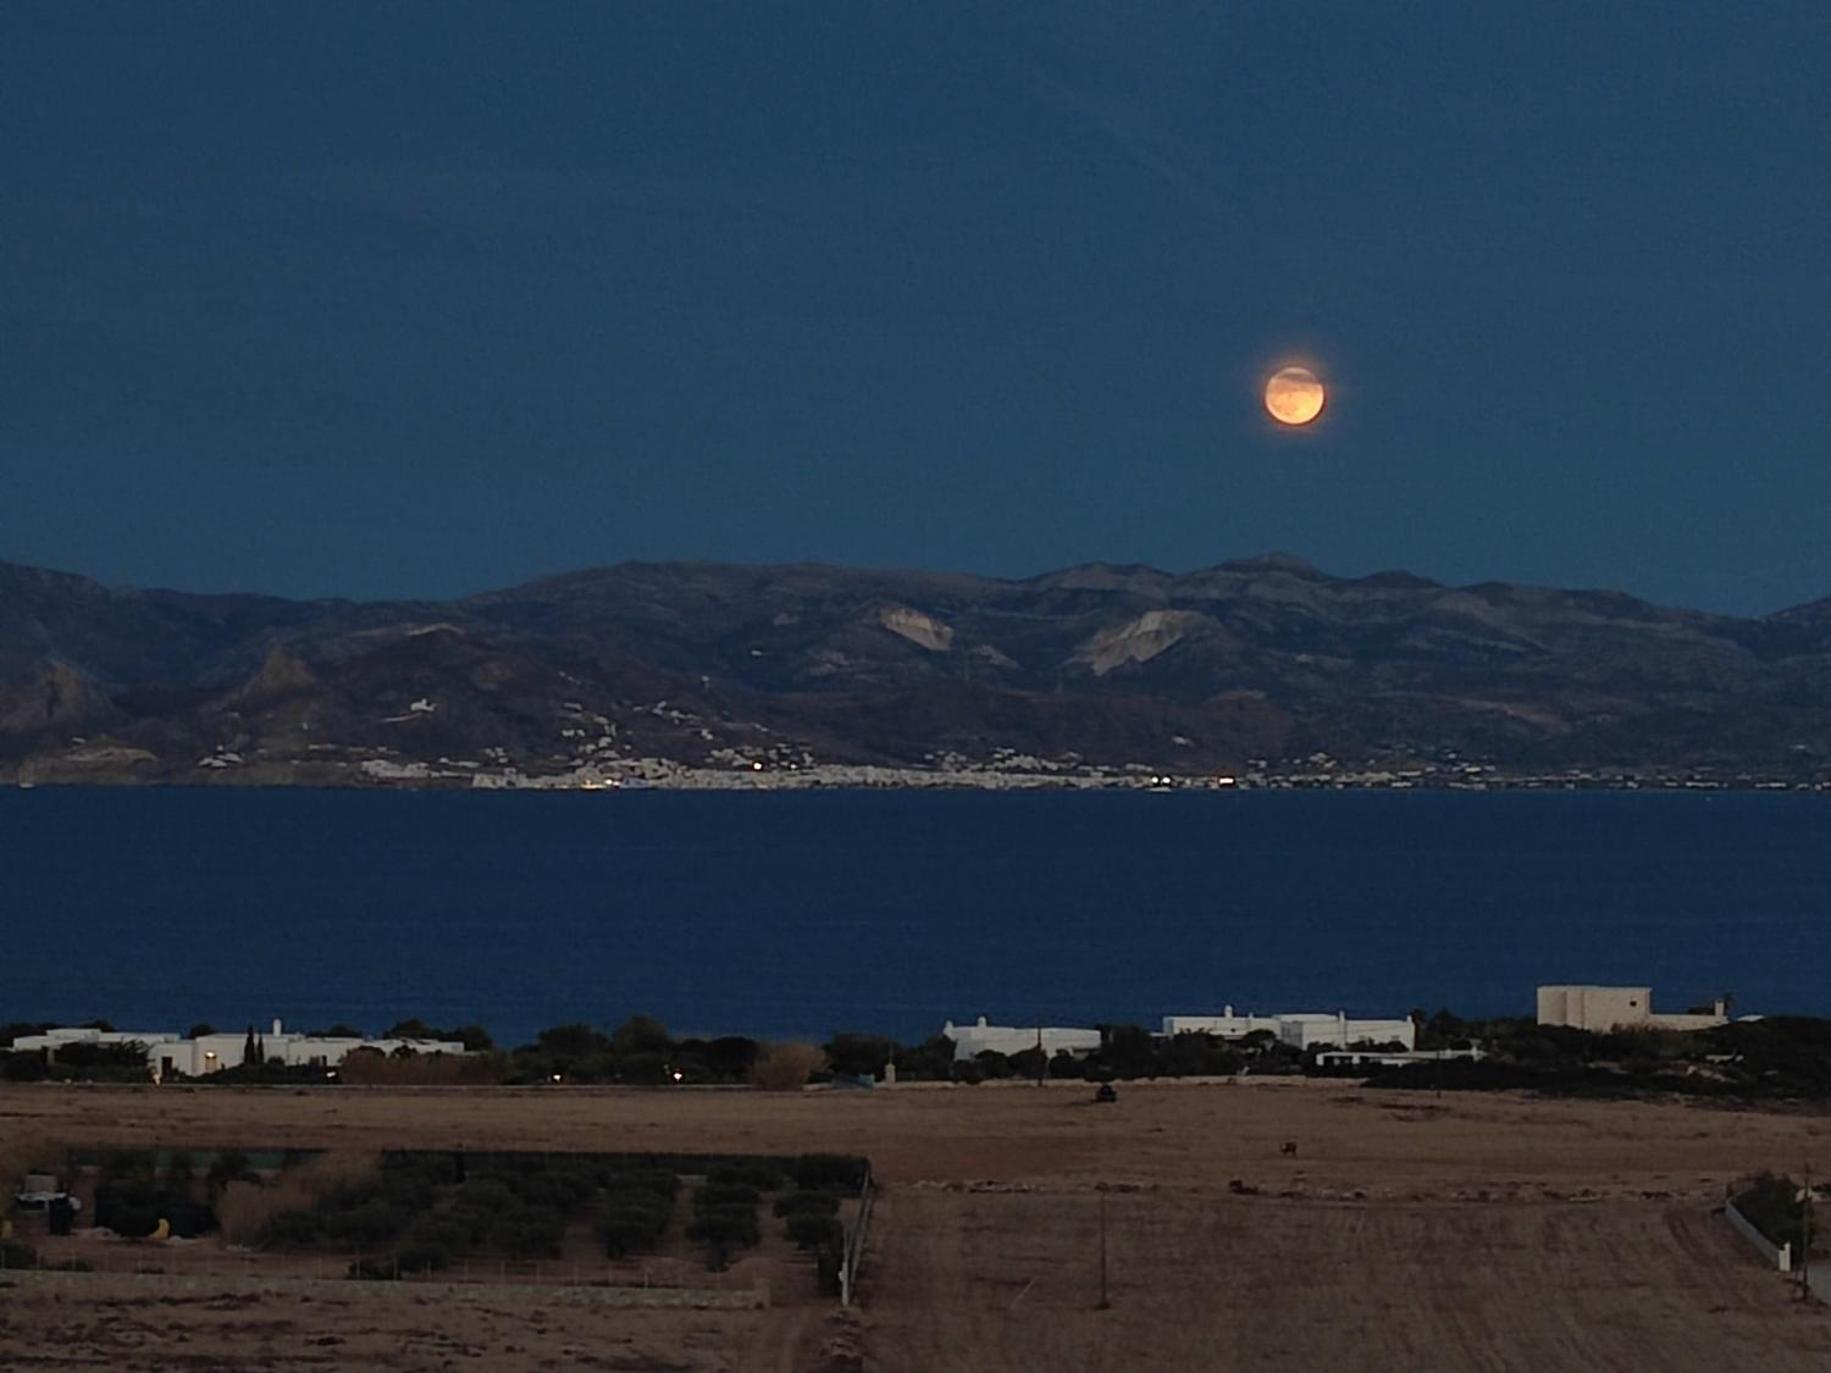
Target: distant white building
column 1314, row 1029
column 1382, row 1058
column 1226, row 1025
column 978, row 1037
column 169, row 1053
column 1299, row 1029
column 1602, row 1009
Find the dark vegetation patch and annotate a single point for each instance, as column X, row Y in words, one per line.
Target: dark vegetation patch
column 1775, row 1059
column 419, row 1211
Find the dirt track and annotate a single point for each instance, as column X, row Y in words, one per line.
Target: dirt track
column 1408, row 1231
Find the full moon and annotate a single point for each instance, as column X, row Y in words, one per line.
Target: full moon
column 1294, row 396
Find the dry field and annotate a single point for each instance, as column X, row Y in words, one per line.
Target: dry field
column 1407, row 1231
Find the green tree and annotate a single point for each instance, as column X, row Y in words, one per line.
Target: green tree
column 860, row 1055
column 640, row 1034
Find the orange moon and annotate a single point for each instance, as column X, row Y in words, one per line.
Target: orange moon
column 1294, row 396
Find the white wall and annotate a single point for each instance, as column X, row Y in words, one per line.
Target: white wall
column 1016, row 1039
column 213, row 1053
column 1226, row 1026
column 1312, row 1029
column 1597, row 1009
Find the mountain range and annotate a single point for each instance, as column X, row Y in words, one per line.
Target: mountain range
column 670, row 670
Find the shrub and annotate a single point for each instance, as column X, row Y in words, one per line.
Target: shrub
column 724, row 1218
column 533, row 1232
column 289, row 1229
column 633, row 1220
column 815, row 1232
column 657, row 1180
column 229, row 1166
column 423, row 1257
column 188, row 1218
column 640, row 1034
column 644, row 1070
column 832, row 1172
column 858, row 1055
column 727, row 1225
column 745, row 1173
column 784, row 1067
column 994, row 1065
column 134, row 1222
column 480, row 1204
column 729, row 1057
column 823, row 1204
column 104, row 1062
column 562, row 1186
column 128, row 1206
column 375, row 1221
column 1029, row 1063
column 370, row 1068
column 440, row 1231
column 322, row 1183
column 566, row 1044
column 23, row 1067
column 714, row 1195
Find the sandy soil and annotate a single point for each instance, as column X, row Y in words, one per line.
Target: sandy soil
column 1210, row 1283
column 1407, row 1231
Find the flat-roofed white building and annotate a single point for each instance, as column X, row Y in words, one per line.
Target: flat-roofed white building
column 1582, row 1006
column 1299, row 1029
column 1226, row 1025
column 169, row 1053
column 1315, row 1029
column 979, row 1037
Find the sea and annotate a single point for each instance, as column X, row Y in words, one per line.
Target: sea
column 808, row 913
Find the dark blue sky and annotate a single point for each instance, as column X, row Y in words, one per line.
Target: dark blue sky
column 417, row 299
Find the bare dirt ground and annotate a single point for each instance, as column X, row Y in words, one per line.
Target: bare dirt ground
column 1406, row 1231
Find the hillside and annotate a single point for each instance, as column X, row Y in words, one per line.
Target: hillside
column 1252, row 667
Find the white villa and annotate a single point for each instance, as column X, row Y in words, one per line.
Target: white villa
column 1016, row 1039
column 1602, row 1009
column 169, row 1053
column 1299, row 1029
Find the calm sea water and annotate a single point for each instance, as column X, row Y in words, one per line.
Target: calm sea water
column 804, row 914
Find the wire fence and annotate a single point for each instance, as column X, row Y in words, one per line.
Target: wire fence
column 142, row 1262
column 855, row 1241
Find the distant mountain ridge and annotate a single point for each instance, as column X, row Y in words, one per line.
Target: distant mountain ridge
column 706, row 666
